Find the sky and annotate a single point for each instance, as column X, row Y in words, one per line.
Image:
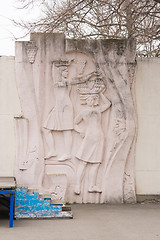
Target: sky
column 8, row 32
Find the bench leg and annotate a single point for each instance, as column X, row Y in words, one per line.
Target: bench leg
column 11, row 210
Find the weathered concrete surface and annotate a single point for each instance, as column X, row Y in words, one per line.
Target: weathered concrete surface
column 148, row 109
column 147, row 88
column 91, row 222
column 78, row 118
column 9, row 107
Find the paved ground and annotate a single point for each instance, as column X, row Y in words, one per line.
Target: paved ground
column 91, row 222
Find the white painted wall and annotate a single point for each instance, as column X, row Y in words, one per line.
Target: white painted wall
column 148, row 141
column 9, row 106
column 148, row 109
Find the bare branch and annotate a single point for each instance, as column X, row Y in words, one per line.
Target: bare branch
column 100, row 19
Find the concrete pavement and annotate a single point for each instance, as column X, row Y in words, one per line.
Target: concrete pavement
column 90, row 222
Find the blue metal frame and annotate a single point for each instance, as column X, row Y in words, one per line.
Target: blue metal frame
column 11, row 204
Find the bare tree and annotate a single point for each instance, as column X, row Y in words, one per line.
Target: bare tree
column 138, row 19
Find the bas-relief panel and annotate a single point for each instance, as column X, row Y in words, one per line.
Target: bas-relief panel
column 83, row 113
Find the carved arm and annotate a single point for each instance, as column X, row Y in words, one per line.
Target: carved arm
column 82, row 79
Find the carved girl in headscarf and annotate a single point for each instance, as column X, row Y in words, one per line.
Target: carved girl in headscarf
column 92, row 146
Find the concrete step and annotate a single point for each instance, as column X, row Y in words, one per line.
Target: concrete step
column 66, row 208
column 42, row 215
column 45, row 196
column 31, row 204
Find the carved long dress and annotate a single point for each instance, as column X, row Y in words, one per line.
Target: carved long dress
column 91, row 149
column 61, row 116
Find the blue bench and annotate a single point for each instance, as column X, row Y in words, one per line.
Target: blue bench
column 10, row 203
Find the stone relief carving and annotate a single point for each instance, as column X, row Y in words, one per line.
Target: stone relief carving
column 81, row 119
column 31, row 49
column 22, row 142
column 61, row 116
column 57, row 187
column 91, row 148
column 28, row 153
column 120, row 128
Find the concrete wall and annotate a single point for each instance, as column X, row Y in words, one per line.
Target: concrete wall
column 148, row 109
column 148, row 141
column 9, row 107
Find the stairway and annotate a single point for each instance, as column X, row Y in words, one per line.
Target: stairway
column 30, row 204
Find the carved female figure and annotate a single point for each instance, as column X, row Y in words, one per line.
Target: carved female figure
column 61, row 116
column 91, row 149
